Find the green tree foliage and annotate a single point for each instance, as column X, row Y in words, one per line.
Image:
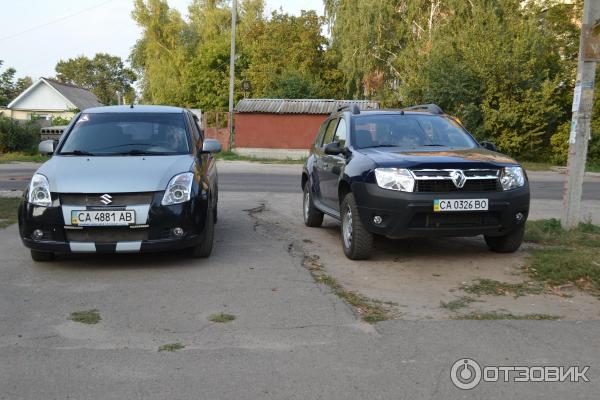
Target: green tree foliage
column 104, row 75
column 15, row 136
column 9, row 88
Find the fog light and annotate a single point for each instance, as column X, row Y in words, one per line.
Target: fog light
column 37, row 234
column 178, row 232
column 377, row 220
column 519, row 216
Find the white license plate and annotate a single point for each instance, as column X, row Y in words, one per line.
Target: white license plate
column 450, row 205
column 103, row 218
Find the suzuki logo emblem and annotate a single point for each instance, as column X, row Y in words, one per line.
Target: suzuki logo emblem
column 459, row 178
column 106, row 199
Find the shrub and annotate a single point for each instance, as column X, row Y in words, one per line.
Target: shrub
column 16, row 136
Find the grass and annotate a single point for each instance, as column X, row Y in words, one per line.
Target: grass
column 8, row 211
column 498, row 316
column 89, row 317
column 565, row 256
column 496, row 288
column 22, row 157
column 221, row 318
column 171, row 347
column 232, row 156
column 546, row 166
column 457, row 304
column 371, row 311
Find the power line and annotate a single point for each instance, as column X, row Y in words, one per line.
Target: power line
column 55, row 21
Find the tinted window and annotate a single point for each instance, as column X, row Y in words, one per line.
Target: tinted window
column 128, row 133
column 340, row 133
column 330, row 131
column 409, row 132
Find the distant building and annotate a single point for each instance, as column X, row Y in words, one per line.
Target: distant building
column 265, row 125
column 48, row 98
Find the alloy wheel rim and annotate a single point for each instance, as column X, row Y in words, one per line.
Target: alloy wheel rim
column 347, row 228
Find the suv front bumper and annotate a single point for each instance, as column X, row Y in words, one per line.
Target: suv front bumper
column 411, row 214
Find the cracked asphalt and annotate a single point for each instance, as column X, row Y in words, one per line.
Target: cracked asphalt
column 291, row 339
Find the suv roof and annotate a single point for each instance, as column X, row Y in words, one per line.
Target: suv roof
column 134, row 109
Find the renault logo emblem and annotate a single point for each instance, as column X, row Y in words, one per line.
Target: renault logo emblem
column 459, row 178
column 106, row 199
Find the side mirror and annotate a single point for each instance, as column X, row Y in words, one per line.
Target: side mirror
column 489, row 146
column 46, row 147
column 333, row 148
column 211, row 146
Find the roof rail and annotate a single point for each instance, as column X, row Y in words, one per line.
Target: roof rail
column 354, row 108
column 432, row 108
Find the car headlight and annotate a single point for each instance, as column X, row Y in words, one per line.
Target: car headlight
column 179, row 189
column 39, row 191
column 512, row 178
column 395, row 179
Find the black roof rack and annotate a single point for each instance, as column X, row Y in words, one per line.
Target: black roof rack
column 354, row 108
column 432, row 108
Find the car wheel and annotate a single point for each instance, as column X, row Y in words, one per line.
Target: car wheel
column 508, row 243
column 357, row 241
column 204, row 249
column 312, row 216
column 41, row 256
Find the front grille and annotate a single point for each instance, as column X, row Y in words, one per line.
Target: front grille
column 472, row 185
column 107, row 234
column 455, row 220
column 440, row 180
column 94, row 200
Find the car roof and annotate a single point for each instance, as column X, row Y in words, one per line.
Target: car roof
column 135, row 109
column 395, row 112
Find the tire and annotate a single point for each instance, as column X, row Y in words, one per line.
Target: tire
column 508, row 243
column 357, row 241
column 312, row 216
column 204, row 249
column 41, row 256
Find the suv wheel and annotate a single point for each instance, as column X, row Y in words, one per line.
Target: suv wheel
column 204, row 249
column 41, row 256
column 508, row 243
column 356, row 240
column 312, row 216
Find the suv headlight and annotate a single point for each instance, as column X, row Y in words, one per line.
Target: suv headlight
column 179, row 189
column 395, row 179
column 39, row 191
column 512, row 178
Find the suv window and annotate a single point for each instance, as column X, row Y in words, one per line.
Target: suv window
column 330, row 131
column 409, row 131
column 340, row 133
column 106, row 134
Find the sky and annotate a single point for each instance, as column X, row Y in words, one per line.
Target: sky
column 36, row 34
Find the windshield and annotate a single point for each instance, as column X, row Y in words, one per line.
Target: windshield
column 409, row 132
column 127, row 134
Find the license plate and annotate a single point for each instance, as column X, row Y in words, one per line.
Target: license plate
column 103, row 218
column 449, row 205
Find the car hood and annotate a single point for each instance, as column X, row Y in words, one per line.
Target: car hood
column 438, row 158
column 123, row 174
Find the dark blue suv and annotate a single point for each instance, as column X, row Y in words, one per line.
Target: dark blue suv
column 415, row 172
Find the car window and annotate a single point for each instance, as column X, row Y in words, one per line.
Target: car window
column 322, row 129
column 128, row 133
column 330, row 131
column 340, row 133
column 410, row 131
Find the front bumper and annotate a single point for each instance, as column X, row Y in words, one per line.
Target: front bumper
column 411, row 214
column 155, row 234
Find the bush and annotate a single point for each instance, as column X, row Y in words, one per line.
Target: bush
column 16, row 136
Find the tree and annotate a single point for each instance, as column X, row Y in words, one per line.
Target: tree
column 104, row 75
column 9, row 89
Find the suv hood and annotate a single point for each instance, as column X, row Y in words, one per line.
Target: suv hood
column 73, row 174
column 437, row 158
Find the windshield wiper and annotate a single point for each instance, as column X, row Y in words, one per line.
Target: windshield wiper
column 434, row 145
column 125, row 145
column 381, row 145
column 137, row 152
column 76, row 153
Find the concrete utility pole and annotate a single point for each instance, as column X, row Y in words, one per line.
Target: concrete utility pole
column 583, row 100
column 232, row 69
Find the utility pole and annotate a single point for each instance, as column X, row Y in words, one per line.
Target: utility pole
column 583, row 100
column 232, row 70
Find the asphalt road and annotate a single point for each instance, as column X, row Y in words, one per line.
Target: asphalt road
column 544, row 186
column 292, row 337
